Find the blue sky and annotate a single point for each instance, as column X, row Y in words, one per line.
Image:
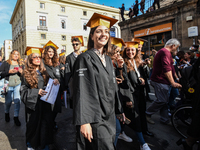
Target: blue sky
column 7, row 7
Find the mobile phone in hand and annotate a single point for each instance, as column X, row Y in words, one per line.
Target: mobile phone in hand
column 16, row 68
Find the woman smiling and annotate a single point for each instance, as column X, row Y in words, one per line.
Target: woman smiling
column 95, row 89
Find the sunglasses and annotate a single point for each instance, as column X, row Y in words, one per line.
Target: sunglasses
column 75, row 44
column 37, row 57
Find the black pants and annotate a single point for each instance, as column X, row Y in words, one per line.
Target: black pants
column 156, row 2
column 122, row 15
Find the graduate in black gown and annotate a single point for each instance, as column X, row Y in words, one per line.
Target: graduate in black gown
column 62, row 60
column 77, row 42
column 131, row 60
column 51, row 64
column 95, row 90
column 124, row 90
column 39, row 121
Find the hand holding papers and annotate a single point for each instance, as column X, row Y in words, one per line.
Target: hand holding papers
column 52, row 92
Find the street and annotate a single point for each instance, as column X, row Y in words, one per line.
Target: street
column 13, row 137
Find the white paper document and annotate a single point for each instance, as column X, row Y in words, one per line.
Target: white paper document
column 52, row 92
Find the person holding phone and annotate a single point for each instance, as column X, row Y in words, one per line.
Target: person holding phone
column 124, row 91
column 132, row 62
column 53, row 69
column 11, row 70
column 39, row 118
column 96, row 99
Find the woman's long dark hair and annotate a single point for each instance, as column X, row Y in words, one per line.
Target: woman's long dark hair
column 91, row 42
column 54, row 59
column 126, row 60
column 62, row 59
column 31, row 75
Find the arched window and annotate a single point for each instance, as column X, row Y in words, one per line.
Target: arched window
column 63, row 24
column 84, row 27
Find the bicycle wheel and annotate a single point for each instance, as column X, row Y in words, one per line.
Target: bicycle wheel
column 181, row 119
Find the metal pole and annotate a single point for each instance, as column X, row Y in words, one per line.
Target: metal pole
column 149, row 44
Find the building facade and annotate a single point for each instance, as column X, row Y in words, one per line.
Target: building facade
column 7, row 49
column 35, row 22
column 172, row 20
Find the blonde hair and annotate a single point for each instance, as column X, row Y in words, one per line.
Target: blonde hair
column 9, row 61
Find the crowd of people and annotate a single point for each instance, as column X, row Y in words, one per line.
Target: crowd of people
column 107, row 87
column 134, row 9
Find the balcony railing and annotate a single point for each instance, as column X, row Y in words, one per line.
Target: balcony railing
column 149, row 6
column 43, row 28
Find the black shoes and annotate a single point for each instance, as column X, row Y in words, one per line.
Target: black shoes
column 185, row 145
column 17, row 122
column 148, row 133
column 7, row 117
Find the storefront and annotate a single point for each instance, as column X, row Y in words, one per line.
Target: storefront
column 156, row 36
column 157, row 27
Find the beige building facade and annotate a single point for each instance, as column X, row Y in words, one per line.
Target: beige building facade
column 7, row 49
column 35, row 22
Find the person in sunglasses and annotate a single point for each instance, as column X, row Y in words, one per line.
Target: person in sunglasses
column 39, row 118
column 77, row 42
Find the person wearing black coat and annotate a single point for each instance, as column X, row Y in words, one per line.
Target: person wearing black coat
column 11, row 70
column 130, row 58
column 194, row 130
column 53, row 69
column 69, row 64
column 39, row 117
column 135, row 8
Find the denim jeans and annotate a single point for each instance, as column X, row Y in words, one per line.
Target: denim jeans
column 118, row 131
column 1, row 85
column 13, row 94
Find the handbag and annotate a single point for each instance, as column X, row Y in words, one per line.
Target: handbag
column 5, row 88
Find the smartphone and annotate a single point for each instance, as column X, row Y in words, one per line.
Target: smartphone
column 16, row 68
column 127, row 121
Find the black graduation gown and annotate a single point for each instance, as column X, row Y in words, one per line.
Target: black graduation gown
column 125, row 88
column 54, row 73
column 95, row 100
column 62, row 73
column 194, row 130
column 70, row 60
column 134, row 117
column 39, row 121
column 141, row 99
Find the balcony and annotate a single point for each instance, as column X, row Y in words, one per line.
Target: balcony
column 43, row 28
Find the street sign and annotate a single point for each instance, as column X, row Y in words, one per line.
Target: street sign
column 193, row 31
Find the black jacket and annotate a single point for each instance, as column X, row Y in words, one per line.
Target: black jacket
column 4, row 71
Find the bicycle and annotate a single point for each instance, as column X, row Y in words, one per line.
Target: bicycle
column 181, row 119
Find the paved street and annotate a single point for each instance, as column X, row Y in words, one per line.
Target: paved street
column 13, row 138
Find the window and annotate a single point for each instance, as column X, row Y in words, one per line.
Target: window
column 42, row 21
column 63, row 24
column 64, row 47
column 85, row 39
column 84, row 27
column 62, row 9
column 22, row 38
column 84, row 13
column 113, row 17
column 22, row 21
column 63, row 37
column 42, row 5
column 43, row 36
